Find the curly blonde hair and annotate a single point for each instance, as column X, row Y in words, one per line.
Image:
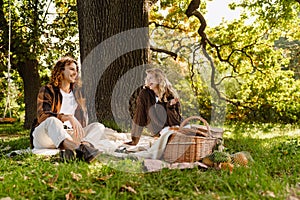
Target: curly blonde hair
column 57, row 71
column 165, row 88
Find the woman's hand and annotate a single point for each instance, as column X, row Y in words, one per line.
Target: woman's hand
column 77, row 128
column 174, row 101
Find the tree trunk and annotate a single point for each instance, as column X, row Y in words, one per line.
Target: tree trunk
column 28, row 67
column 28, row 70
column 114, row 48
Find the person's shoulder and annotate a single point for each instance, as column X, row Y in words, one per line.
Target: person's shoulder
column 146, row 91
column 48, row 88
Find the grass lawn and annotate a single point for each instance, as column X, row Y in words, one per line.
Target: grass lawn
column 274, row 174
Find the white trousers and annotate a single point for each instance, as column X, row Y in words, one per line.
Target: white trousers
column 50, row 133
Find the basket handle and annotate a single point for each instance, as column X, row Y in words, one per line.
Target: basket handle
column 195, row 117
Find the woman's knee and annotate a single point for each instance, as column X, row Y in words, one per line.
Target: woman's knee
column 96, row 126
column 53, row 120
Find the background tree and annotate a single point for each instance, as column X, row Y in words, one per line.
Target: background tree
column 39, row 37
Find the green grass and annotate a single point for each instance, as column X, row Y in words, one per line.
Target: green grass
column 274, row 174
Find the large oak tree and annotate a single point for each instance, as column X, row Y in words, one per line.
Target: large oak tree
column 113, row 41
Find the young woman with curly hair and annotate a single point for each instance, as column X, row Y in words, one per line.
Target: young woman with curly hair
column 62, row 115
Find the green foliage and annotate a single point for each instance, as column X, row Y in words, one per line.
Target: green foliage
column 170, row 14
column 189, row 104
column 40, row 30
column 268, row 97
column 257, row 64
column 16, row 128
column 16, row 96
column 266, row 93
column 278, row 12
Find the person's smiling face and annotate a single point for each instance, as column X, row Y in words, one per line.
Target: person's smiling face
column 70, row 73
column 151, row 81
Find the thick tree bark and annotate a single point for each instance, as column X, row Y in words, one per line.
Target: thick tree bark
column 114, row 50
column 28, row 70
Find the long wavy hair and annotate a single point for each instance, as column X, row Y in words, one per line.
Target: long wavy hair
column 57, row 72
column 165, row 88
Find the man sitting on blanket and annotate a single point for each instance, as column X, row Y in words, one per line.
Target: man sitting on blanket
column 157, row 106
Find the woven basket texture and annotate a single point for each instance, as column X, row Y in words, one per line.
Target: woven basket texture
column 190, row 144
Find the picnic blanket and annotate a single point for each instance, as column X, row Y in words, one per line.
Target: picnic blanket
column 149, row 149
column 109, row 140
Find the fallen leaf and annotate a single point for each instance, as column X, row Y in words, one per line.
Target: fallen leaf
column 268, row 194
column 89, row 191
column 6, row 198
column 52, row 186
column 216, row 196
column 294, row 192
column 70, row 196
column 53, row 179
column 104, row 178
column 45, row 174
column 76, row 177
column 128, row 188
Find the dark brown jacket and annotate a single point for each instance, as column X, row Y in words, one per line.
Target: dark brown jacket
column 154, row 115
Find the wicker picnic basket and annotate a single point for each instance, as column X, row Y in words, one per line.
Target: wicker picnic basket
column 189, row 144
column 215, row 131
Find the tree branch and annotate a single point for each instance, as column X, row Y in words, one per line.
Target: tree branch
column 172, row 54
column 151, row 2
column 165, row 26
column 192, row 11
column 194, row 5
column 202, row 27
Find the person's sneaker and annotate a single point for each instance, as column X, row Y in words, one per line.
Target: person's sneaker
column 87, row 153
column 67, row 155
